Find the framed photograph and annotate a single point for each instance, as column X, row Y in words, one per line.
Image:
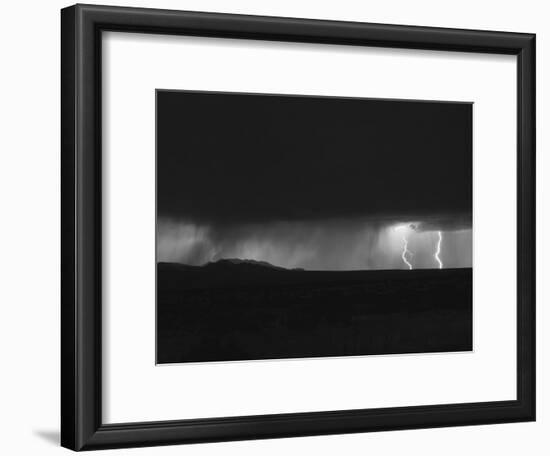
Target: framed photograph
column 277, row 227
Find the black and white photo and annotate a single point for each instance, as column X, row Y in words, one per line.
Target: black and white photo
column 284, row 227
column 300, row 226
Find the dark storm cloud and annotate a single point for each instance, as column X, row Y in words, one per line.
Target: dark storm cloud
column 448, row 222
column 224, row 160
column 311, row 182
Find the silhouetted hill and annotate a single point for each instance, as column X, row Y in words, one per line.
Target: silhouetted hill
column 241, row 263
column 236, row 310
column 237, row 273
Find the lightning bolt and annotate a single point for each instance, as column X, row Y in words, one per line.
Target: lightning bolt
column 405, row 251
column 438, row 251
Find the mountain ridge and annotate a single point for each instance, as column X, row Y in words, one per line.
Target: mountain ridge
column 231, row 263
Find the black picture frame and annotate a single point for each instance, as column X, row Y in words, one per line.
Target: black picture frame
column 81, row 220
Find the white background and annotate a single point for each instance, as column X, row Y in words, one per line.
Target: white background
column 29, row 183
column 134, row 65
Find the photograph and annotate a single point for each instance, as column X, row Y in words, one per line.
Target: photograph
column 279, row 224
column 299, row 226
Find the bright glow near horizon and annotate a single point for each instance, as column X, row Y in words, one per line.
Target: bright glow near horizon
column 324, row 245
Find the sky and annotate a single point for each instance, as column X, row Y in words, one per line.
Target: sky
column 319, row 183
